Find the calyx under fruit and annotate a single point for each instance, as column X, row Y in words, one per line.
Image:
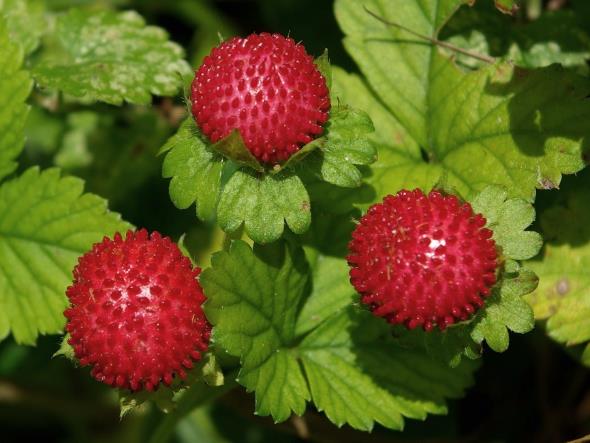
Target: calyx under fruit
column 135, row 313
column 422, row 260
column 267, row 87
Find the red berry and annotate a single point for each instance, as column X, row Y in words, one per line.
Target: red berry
column 135, row 313
column 269, row 88
column 422, row 260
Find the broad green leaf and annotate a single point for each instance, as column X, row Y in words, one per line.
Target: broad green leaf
column 15, row 85
column 112, row 57
column 498, row 125
column 46, row 223
column 194, row 169
column 252, row 301
column 563, row 295
column 263, row 203
column 25, row 20
column 358, row 375
column 352, row 368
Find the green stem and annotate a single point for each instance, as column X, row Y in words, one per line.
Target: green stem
column 196, row 396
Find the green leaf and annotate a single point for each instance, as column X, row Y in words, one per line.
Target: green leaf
column 252, row 301
column 499, row 125
column 263, row 203
column 356, row 372
column 25, row 20
column 45, row 224
column 325, row 68
column 346, row 145
column 112, row 57
column 358, row 376
column 195, row 170
column 563, row 295
column 15, row 86
column 553, row 37
column 331, row 292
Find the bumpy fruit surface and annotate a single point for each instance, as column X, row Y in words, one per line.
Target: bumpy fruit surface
column 135, row 313
column 422, row 260
column 268, row 88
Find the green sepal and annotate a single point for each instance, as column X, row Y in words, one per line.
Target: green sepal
column 323, row 64
column 206, row 372
column 234, row 148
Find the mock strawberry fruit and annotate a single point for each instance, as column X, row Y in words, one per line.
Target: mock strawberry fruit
column 422, row 260
column 267, row 87
column 135, row 313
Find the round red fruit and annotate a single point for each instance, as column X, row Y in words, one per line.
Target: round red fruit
column 423, row 260
column 267, row 87
column 135, row 311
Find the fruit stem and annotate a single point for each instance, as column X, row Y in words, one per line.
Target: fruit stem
column 434, row 41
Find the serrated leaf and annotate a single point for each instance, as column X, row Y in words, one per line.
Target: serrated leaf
column 563, row 295
column 346, row 146
column 112, row 57
column 263, row 203
column 46, row 222
column 15, row 86
column 252, row 301
column 194, row 169
column 358, row 376
column 25, row 20
column 499, row 125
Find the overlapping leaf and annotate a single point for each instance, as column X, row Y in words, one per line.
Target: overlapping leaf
column 112, row 57
column 348, row 365
column 498, row 125
column 563, row 295
column 15, row 85
column 46, row 222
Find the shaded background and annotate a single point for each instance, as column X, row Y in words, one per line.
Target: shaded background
column 533, row 392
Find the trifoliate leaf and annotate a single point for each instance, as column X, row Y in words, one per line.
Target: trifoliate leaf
column 252, row 301
column 264, row 203
column 499, row 125
column 356, row 372
column 46, row 222
column 25, row 21
column 15, row 85
column 194, row 169
column 358, row 375
column 563, row 295
column 112, row 57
